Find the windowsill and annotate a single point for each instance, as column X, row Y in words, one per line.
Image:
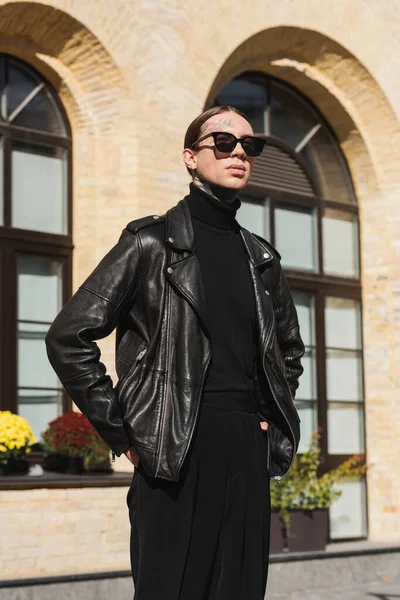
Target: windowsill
column 54, row 480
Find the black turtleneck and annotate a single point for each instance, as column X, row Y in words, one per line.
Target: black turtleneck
column 228, row 291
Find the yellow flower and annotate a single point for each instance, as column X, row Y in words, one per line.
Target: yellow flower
column 15, row 432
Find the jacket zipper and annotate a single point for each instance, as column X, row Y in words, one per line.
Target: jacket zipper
column 277, row 477
column 131, row 371
column 197, row 412
column 168, row 385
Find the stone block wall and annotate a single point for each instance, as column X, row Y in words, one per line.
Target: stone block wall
column 47, row 532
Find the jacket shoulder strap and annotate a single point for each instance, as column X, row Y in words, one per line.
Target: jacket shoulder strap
column 137, row 224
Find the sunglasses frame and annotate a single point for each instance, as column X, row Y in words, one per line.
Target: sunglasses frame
column 236, row 140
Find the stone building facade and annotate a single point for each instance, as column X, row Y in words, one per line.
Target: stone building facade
column 130, row 77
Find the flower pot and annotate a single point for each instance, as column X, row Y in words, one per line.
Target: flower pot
column 308, row 531
column 55, row 462
column 14, row 466
column 99, row 467
column 75, row 465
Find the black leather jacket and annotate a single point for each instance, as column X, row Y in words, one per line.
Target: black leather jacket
column 149, row 288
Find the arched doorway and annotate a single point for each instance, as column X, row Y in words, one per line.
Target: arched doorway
column 301, row 198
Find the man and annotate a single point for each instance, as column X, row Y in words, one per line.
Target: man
column 208, row 358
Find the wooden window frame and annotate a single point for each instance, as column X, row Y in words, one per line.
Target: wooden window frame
column 16, row 241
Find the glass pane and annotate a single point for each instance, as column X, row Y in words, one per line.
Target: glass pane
column 39, row 407
column 250, row 98
column 39, row 188
column 34, row 368
column 344, row 375
column 39, row 288
column 254, row 216
column 342, row 323
column 323, row 155
column 1, row 183
column 307, row 389
column 348, row 515
column 309, row 418
column 295, row 237
column 345, row 428
column 291, row 119
column 20, row 85
column 40, row 112
column 340, row 243
column 306, row 315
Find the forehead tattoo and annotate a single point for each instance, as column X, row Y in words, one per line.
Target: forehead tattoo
column 216, row 125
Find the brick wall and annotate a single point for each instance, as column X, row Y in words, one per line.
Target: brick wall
column 53, row 532
column 133, row 75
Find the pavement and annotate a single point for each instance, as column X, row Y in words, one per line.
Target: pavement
column 377, row 591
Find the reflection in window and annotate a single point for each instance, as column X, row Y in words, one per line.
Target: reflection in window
column 342, row 323
column 291, row 119
column 344, row 379
column 254, row 215
column 306, row 395
column 348, row 515
column 30, row 103
column 340, row 243
column 295, row 237
column 321, row 152
column 39, row 300
column 39, row 188
column 249, row 97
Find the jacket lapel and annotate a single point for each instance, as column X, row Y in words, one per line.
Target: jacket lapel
column 183, row 268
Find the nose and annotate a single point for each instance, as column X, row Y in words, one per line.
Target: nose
column 238, row 150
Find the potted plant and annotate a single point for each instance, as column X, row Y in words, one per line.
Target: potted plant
column 16, row 438
column 71, row 445
column 300, row 501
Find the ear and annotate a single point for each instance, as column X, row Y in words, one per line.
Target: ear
column 190, row 158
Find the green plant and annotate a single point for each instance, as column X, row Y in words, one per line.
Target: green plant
column 71, row 434
column 303, row 489
column 16, row 436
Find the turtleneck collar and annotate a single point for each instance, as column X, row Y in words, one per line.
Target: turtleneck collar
column 208, row 209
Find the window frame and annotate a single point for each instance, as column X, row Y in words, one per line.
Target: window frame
column 317, row 283
column 16, row 241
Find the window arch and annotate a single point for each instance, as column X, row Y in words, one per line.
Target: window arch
column 35, row 238
column 301, row 198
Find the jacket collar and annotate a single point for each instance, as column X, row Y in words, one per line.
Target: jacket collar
column 179, row 235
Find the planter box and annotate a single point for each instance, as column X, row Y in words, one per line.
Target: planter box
column 14, row 466
column 309, row 531
column 64, row 464
column 74, row 465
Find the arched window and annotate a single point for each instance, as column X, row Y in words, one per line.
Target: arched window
column 300, row 197
column 35, row 238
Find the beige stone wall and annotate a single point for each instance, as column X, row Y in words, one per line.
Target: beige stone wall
column 132, row 75
column 53, row 532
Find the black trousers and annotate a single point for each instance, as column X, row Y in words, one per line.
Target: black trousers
column 206, row 537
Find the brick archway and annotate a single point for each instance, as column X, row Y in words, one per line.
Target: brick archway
column 368, row 132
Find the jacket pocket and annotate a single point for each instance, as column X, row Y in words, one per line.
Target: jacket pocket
column 130, row 375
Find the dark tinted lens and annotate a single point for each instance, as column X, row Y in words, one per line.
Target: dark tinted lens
column 253, row 146
column 225, row 142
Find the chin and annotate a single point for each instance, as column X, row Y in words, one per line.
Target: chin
column 236, row 184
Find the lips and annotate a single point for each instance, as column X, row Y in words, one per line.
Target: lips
column 236, row 168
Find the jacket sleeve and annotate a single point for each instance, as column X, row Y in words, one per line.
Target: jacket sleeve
column 91, row 314
column 288, row 331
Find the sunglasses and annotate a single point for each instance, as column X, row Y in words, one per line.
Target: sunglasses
column 226, row 142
